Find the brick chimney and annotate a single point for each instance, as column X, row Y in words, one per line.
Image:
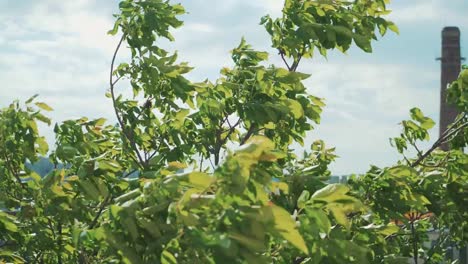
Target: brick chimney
column 450, row 69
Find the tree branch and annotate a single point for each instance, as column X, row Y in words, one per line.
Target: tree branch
column 445, row 136
column 13, row 171
column 101, row 209
column 415, row 243
column 284, row 60
column 248, row 134
column 440, row 241
column 296, row 63
column 140, row 160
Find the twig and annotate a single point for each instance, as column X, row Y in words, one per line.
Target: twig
column 445, row 136
column 211, row 162
column 201, row 163
column 417, row 149
column 59, row 242
column 116, row 80
column 101, row 209
column 415, row 243
column 407, row 160
column 248, row 135
column 130, row 173
column 284, row 59
column 14, row 172
column 432, row 250
column 296, row 63
column 36, row 258
column 51, row 227
column 114, row 103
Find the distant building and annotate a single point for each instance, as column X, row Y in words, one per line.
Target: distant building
column 339, row 178
column 450, row 69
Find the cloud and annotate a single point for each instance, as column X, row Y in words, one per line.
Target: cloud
column 365, row 103
column 432, row 12
column 424, row 10
column 387, row 90
column 200, row 27
column 60, row 50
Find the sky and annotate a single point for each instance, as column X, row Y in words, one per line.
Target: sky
column 59, row 50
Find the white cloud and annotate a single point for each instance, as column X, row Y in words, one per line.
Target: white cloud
column 60, row 50
column 200, row 27
column 418, row 11
column 384, row 89
column 442, row 12
column 365, row 103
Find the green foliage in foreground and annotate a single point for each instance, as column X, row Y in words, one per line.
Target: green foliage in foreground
column 217, row 179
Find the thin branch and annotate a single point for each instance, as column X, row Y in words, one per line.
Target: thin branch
column 116, row 80
column 36, row 258
column 249, row 133
column 284, row 60
column 201, row 163
column 396, row 235
column 114, row 103
column 440, row 241
column 130, row 173
column 417, row 149
column 296, row 63
column 111, row 81
column 59, row 242
column 51, row 227
column 299, row 57
column 415, row 243
column 445, row 136
column 230, row 131
column 101, row 209
column 14, row 172
column 211, row 162
column 152, row 155
column 407, row 160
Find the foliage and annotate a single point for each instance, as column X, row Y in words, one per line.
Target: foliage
column 204, row 172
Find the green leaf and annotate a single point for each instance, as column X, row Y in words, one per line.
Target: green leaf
column 331, row 192
column 31, row 99
column 90, row 190
column 320, row 218
column 168, row 258
column 109, row 165
column 390, row 229
column 8, row 222
column 340, row 216
column 286, row 226
column 42, row 118
column 363, row 43
column 385, row 230
column 42, row 146
column 44, row 106
column 393, row 27
column 250, row 242
column 99, row 122
column 200, row 179
column 303, row 199
column 425, row 122
column 115, row 29
column 295, row 107
column 128, row 196
column 402, row 172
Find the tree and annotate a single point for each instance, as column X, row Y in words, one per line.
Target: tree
column 203, row 172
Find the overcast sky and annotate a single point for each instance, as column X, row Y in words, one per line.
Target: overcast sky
column 60, row 50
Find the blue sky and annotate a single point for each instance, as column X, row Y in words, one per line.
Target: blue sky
column 59, row 50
